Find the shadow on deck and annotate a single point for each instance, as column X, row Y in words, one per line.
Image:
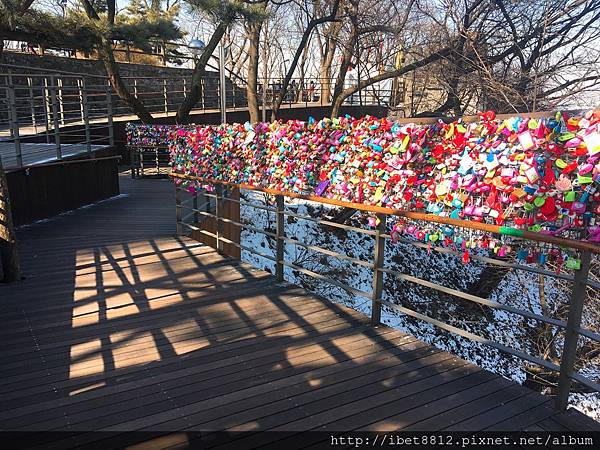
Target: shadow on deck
column 119, row 327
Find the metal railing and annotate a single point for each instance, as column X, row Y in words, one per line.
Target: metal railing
column 571, row 328
column 50, row 115
column 35, row 110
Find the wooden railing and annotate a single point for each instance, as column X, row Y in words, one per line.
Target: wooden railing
column 572, row 327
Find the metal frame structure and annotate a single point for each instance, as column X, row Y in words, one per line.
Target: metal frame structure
column 65, row 110
column 149, row 160
column 572, row 327
column 53, row 116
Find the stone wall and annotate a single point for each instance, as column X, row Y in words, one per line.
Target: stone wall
column 87, row 66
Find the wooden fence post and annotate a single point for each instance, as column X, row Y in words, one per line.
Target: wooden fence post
column 8, row 241
column 280, row 234
column 378, row 259
column 569, row 353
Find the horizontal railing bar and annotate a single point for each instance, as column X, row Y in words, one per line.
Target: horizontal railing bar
column 495, row 262
column 475, row 299
column 472, row 336
column 530, row 235
column 248, row 227
column 318, row 276
column 254, row 205
column 248, row 249
column 592, row 283
column 228, row 241
column 588, row 334
column 186, row 202
column 187, row 216
column 585, row 381
column 331, row 224
column 64, row 162
column 196, row 228
column 329, row 252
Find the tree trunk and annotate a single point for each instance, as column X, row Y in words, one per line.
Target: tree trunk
column 8, row 240
column 183, row 113
column 303, row 42
column 331, row 38
column 253, row 36
column 346, row 59
column 107, row 56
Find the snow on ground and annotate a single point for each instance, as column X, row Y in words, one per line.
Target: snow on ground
column 519, row 289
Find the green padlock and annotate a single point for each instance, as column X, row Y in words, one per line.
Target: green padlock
column 560, row 164
column 573, row 263
column 570, row 196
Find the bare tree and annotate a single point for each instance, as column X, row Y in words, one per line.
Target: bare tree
column 327, row 45
column 312, row 24
column 253, row 29
column 106, row 53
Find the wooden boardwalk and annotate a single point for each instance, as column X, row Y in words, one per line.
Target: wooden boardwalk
column 119, row 326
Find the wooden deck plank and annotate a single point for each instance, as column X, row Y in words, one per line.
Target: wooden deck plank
column 507, row 392
column 500, row 413
column 119, row 326
column 214, row 324
column 188, row 389
column 63, row 382
column 181, row 371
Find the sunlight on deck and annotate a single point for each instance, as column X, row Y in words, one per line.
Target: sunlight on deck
column 176, row 440
column 86, row 359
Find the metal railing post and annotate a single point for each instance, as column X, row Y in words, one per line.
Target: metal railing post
column 166, row 101
column 80, row 89
column 178, row 226
column 85, row 110
column 61, row 105
column 195, row 206
column 109, row 115
column 45, row 91
column 14, row 122
column 203, row 93
column 55, row 118
column 280, row 234
column 218, row 215
column 32, row 104
column 378, row 259
column 569, row 353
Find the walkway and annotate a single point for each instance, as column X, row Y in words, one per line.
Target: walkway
column 119, row 326
column 36, row 153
